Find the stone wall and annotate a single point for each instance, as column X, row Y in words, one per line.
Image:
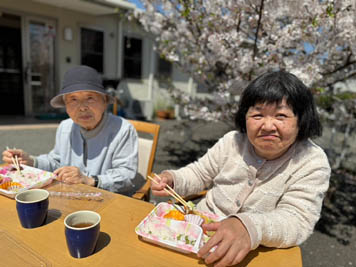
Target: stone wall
column 332, row 143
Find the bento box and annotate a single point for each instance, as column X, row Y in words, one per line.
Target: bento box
column 183, row 236
column 13, row 182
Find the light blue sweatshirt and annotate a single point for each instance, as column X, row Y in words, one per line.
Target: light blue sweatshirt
column 110, row 151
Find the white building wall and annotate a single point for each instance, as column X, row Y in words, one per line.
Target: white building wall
column 67, row 55
column 70, row 50
column 348, row 85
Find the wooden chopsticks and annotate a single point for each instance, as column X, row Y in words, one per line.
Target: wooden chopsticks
column 175, row 193
column 16, row 163
column 172, row 193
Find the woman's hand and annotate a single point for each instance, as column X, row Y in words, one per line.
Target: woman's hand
column 232, row 240
column 72, row 175
column 22, row 156
column 157, row 189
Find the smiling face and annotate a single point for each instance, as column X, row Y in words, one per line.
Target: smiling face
column 271, row 128
column 85, row 108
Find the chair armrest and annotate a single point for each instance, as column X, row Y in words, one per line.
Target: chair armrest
column 144, row 192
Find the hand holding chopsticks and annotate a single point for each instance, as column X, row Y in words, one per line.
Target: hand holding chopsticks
column 172, row 193
column 15, row 162
column 17, row 157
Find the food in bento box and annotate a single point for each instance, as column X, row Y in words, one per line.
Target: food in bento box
column 4, row 179
column 194, row 216
column 196, row 219
column 28, row 175
column 12, row 181
column 177, row 215
column 14, row 169
column 164, row 226
column 174, row 214
column 204, row 217
column 11, row 186
column 178, row 235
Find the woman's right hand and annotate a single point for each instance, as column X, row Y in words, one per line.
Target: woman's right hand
column 158, row 189
column 22, row 156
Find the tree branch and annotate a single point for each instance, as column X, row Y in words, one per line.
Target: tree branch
column 257, row 29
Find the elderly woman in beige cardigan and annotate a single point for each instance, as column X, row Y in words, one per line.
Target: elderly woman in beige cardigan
column 267, row 177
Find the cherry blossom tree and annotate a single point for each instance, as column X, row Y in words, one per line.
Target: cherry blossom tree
column 224, row 44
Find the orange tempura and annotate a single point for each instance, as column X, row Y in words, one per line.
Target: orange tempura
column 174, row 214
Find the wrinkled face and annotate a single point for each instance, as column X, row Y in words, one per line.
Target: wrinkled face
column 271, row 128
column 85, row 108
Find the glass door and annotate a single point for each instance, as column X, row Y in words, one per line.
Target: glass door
column 41, row 36
column 11, row 76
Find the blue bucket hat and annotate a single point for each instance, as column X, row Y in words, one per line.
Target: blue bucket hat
column 80, row 78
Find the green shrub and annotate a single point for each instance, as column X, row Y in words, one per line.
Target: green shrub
column 326, row 101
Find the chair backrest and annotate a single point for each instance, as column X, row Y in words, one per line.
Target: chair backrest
column 148, row 139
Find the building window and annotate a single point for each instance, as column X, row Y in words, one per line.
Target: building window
column 202, row 88
column 164, row 68
column 92, row 49
column 132, row 58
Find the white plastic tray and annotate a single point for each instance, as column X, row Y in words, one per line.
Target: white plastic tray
column 31, row 178
column 181, row 236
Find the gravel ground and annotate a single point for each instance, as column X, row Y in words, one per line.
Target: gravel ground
column 333, row 243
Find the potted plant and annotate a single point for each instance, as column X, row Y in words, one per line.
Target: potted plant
column 163, row 110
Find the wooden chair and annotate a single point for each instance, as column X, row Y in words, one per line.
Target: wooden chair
column 147, row 151
column 148, row 139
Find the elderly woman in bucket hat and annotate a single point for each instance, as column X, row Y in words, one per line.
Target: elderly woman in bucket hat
column 92, row 147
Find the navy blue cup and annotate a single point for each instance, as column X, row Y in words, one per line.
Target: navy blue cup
column 82, row 230
column 32, row 207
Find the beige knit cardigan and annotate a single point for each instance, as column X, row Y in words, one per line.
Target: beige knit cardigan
column 278, row 201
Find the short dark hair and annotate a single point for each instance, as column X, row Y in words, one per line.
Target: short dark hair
column 272, row 87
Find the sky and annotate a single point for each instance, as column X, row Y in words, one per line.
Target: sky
column 137, row 3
